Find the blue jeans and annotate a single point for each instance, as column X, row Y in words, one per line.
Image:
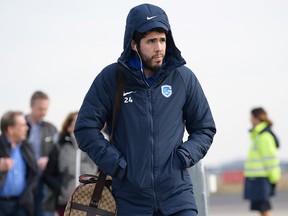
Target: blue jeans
column 40, row 193
column 11, row 208
column 38, row 199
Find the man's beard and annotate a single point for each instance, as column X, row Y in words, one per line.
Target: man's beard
column 147, row 63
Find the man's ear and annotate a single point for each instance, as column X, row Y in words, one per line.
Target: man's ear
column 134, row 46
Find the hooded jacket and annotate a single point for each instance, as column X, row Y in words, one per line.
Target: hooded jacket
column 147, row 159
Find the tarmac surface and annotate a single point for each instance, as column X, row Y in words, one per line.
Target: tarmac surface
column 235, row 205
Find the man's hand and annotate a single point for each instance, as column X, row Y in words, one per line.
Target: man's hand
column 42, row 163
column 6, row 164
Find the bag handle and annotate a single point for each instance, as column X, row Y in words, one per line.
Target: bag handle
column 87, row 178
column 96, row 196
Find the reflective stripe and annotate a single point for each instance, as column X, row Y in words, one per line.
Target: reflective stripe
column 263, row 169
column 263, row 159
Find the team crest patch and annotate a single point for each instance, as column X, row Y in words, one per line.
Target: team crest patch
column 166, row 90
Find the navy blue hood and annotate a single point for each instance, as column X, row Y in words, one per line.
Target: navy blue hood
column 143, row 18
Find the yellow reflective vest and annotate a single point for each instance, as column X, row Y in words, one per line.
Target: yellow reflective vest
column 262, row 160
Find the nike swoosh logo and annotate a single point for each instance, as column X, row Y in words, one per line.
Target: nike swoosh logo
column 152, row 17
column 127, row 93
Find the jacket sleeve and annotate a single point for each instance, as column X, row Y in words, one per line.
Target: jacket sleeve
column 26, row 199
column 200, row 124
column 94, row 112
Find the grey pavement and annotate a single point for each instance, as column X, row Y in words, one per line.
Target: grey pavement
column 234, row 205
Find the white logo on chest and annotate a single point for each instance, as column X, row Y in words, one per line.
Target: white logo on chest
column 166, row 90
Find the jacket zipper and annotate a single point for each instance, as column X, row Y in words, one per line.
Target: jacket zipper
column 153, row 147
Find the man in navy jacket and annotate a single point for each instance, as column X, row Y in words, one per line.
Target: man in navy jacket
column 147, row 158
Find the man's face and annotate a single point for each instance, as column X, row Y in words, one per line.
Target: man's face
column 152, row 50
column 19, row 130
column 39, row 109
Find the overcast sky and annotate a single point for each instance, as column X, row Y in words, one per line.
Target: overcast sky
column 238, row 49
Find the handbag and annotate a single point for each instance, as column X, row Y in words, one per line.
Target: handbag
column 94, row 196
column 257, row 189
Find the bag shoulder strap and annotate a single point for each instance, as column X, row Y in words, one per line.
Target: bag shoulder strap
column 121, row 82
column 96, row 196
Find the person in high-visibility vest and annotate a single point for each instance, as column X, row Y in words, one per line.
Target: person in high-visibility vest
column 262, row 168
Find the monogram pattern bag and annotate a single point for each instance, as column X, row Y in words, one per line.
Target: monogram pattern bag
column 85, row 200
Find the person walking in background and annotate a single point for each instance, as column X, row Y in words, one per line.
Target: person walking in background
column 147, row 158
column 18, row 167
column 61, row 173
column 42, row 135
column 262, row 168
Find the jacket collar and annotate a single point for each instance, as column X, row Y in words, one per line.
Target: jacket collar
column 259, row 127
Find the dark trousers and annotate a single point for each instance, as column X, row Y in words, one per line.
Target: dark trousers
column 182, row 213
column 38, row 199
column 11, row 208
